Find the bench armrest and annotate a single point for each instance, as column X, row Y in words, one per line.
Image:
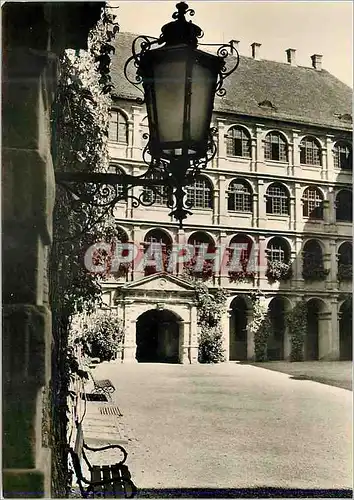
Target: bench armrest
column 109, row 447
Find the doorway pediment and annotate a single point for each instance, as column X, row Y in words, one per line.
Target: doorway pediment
column 162, row 282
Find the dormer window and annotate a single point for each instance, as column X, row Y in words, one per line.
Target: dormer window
column 267, row 104
column 238, row 142
column 346, row 117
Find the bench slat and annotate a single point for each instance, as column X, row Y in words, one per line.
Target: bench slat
column 96, row 476
column 108, row 488
column 118, row 487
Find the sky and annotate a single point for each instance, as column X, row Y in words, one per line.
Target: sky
column 309, row 27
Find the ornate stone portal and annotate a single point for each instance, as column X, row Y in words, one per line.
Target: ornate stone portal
column 161, row 293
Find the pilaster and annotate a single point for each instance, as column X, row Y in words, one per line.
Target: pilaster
column 259, row 158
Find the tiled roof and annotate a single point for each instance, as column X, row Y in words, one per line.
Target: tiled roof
column 285, row 92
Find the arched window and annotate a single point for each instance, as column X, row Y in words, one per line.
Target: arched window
column 201, row 238
column 342, row 155
column 238, row 142
column 275, row 147
column 310, row 151
column 158, row 238
column 240, row 258
column 277, row 199
column 313, row 267
column 157, row 196
column 345, row 261
column 200, row 195
column 312, row 203
column 344, row 206
column 118, row 128
column 239, row 196
column 278, row 250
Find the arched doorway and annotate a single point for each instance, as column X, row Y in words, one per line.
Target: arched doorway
column 275, row 346
column 314, row 308
column 158, row 337
column 345, row 331
column 238, row 329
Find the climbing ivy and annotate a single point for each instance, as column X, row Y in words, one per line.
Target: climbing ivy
column 296, row 321
column 211, row 306
column 260, row 327
column 79, row 143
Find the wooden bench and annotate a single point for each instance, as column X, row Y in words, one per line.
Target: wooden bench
column 107, row 481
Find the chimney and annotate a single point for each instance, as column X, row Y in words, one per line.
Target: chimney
column 256, row 50
column 234, row 45
column 291, row 56
column 317, row 61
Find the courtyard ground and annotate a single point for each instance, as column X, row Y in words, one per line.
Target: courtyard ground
column 229, row 430
column 336, row 373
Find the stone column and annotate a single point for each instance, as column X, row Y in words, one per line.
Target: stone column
column 332, row 206
column 296, row 170
column 261, row 260
column 255, row 207
column 329, row 165
column 333, row 263
column 292, row 213
column 253, row 154
column 261, row 208
column 298, row 262
column 334, row 340
column 134, row 138
column 250, row 337
column 221, row 138
column 138, row 241
column 216, row 197
column 223, row 212
column 28, row 193
column 225, row 327
column 193, row 349
column 259, row 159
column 129, row 347
column 297, row 223
column 325, row 335
column 324, row 169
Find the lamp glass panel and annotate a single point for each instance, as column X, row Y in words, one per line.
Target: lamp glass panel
column 202, row 95
column 169, row 83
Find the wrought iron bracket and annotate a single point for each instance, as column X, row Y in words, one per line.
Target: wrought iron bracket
column 105, row 190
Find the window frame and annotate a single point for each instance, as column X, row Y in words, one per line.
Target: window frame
column 203, row 194
column 242, row 198
column 310, row 205
column 276, row 147
column 279, row 248
column 120, row 126
column 337, row 155
column 277, row 200
column 310, row 152
column 238, row 146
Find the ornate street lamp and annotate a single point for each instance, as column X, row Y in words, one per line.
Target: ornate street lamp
column 179, row 83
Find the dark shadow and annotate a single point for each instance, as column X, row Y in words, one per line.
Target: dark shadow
column 260, row 492
column 238, row 329
column 158, row 337
column 93, row 397
column 343, row 384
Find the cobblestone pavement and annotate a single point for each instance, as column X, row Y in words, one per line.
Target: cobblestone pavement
column 229, row 426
